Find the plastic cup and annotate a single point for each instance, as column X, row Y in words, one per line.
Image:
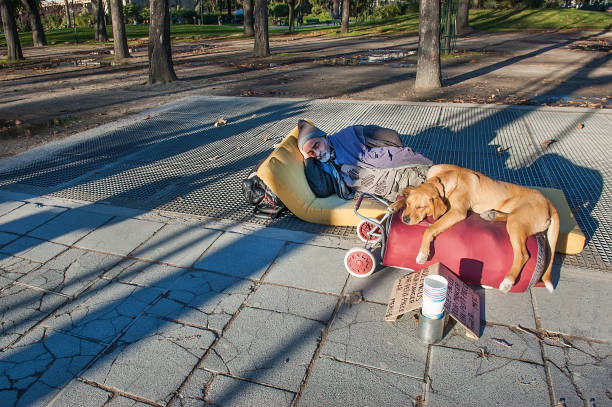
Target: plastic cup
column 434, row 296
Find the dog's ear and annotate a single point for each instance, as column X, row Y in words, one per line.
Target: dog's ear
column 436, row 182
column 439, row 207
column 400, row 203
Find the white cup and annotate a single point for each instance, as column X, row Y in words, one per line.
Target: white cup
column 433, row 309
column 433, row 305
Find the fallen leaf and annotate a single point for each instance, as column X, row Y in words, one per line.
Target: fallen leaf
column 220, row 122
column 148, row 117
column 415, row 317
column 266, row 138
column 213, row 158
column 502, row 342
column 581, row 126
column 548, row 142
column 482, row 352
column 354, row 298
column 179, row 198
column 499, row 150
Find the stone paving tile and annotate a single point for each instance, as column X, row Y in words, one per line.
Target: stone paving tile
column 498, row 340
column 359, row 334
column 193, row 393
column 228, row 391
column 27, row 217
column 581, row 374
column 203, row 299
column 575, row 308
column 119, row 236
column 6, row 238
column 288, row 300
column 509, row 309
column 266, row 347
column 70, row 272
column 70, row 226
column 179, row 245
column 377, row 287
column 145, row 274
column 461, row 378
column 13, row 268
column 311, row 267
column 81, row 394
column 334, row 383
column 7, row 206
column 21, row 308
column 152, row 358
column 121, row 401
column 33, row 372
column 103, row 311
column 240, row 255
column 33, row 249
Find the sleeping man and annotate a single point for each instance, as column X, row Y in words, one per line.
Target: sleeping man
column 359, row 159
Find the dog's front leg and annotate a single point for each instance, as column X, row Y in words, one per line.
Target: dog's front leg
column 449, row 219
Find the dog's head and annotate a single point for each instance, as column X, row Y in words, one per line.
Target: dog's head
column 420, row 202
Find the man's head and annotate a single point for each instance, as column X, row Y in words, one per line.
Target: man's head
column 313, row 142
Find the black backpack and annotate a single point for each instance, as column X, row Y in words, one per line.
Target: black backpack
column 257, row 193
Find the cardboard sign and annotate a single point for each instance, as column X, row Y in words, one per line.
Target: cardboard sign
column 462, row 303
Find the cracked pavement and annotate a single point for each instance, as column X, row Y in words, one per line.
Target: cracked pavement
column 104, row 305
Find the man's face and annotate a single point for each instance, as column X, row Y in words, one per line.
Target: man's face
column 317, row 147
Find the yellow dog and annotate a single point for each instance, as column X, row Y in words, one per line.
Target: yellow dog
column 451, row 191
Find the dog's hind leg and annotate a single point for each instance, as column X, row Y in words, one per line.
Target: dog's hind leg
column 518, row 232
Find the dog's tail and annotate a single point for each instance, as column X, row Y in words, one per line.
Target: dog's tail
column 552, row 235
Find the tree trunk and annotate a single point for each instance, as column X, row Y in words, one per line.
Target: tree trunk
column 10, row 31
column 428, row 60
column 248, row 18
column 291, row 6
column 38, row 34
column 68, row 16
column 335, row 9
column 463, row 26
column 229, row 11
column 345, row 16
column 262, row 42
column 99, row 22
column 161, row 69
column 119, row 37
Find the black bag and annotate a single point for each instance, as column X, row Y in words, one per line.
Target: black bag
column 267, row 204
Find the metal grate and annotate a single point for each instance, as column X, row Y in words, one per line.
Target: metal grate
column 177, row 160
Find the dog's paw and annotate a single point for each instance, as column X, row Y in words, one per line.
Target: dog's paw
column 506, row 285
column 489, row 215
column 549, row 286
column 422, row 258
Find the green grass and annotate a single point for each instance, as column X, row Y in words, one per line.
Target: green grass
column 486, row 20
column 539, row 19
column 85, row 34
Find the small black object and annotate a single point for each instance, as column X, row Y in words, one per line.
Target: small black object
column 257, row 193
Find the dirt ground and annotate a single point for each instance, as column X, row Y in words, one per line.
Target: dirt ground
column 68, row 89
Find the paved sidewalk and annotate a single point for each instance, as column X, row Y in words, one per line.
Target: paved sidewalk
column 106, row 305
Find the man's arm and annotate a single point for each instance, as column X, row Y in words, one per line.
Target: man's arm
column 320, row 182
